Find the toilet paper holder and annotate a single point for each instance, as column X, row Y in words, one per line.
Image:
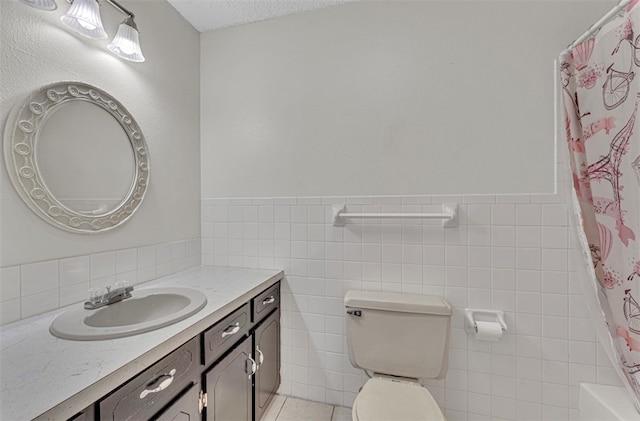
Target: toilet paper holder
column 473, row 315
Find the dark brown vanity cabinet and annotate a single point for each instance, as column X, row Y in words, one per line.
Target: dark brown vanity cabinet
column 229, row 372
column 240, row 386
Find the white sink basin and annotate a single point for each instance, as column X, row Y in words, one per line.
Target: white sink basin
column 147, row 309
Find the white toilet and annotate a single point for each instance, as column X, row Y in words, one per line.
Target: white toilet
column 399, row 338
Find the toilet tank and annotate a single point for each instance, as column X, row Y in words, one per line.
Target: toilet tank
column 398, row 334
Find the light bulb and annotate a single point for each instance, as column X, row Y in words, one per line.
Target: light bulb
column 86, row 25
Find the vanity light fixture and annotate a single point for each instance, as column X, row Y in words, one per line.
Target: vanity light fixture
column 84, row 18
column 126, row 43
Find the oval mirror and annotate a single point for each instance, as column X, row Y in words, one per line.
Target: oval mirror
column 77, row 157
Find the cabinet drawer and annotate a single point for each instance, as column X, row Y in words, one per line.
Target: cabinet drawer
column 225, row 333
column 149, row 392
column 265, row 302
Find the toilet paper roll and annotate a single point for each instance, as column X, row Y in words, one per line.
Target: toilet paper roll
column 488, row 331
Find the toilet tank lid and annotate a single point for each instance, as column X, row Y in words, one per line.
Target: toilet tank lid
column 389, row 301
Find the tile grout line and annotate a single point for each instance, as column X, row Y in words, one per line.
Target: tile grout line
column 282, row 406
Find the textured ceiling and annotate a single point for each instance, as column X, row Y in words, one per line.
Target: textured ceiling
column 207, row 15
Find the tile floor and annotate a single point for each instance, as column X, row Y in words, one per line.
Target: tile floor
column 284, row 408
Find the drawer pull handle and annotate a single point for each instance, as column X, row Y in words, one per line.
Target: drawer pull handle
column 268, row 300
column 254, row 367
column 168, row 379
column 260, row 357
column 231, row 330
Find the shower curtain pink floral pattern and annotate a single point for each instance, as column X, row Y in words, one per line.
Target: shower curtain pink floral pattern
column 601, row 92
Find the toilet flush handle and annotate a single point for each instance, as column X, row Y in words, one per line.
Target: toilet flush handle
column 354, row 312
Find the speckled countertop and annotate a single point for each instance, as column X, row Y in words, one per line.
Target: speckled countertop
column 45, row 377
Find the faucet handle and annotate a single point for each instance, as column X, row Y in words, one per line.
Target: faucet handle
column 95, row 295
column 122, row 284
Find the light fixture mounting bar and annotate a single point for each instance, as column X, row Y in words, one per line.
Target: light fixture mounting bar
column 120, row 8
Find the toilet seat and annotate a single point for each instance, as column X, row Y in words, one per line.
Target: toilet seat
column 383, row 399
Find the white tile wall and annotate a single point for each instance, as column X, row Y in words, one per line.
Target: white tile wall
column 511, row 253
column 37, row 287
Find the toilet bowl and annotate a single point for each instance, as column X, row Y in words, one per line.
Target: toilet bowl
column 400, row 338
column 383, row 399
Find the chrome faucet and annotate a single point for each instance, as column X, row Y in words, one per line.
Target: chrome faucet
column 111, row 296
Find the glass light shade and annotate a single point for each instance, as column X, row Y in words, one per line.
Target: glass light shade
column 84, row 18
column 41, row 4
column 126, row 43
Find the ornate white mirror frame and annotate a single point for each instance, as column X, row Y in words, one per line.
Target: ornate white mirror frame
column 24, row 126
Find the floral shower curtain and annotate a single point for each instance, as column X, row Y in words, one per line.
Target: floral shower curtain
column 601, row 92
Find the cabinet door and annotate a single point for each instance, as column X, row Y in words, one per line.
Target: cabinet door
column 185, row 408
column 267, row 355
column 228, row 386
